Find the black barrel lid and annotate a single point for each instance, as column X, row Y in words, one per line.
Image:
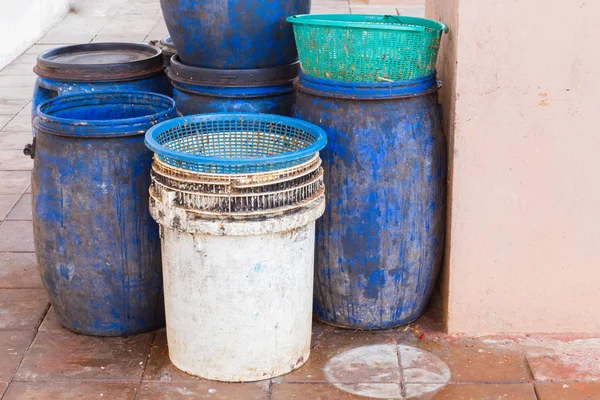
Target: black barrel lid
column 181, row 73
column 100, row 62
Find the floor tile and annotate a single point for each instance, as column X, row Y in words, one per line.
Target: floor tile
column 559, row 360
column 473, row 392
column 20, row 80
column 3, row 386
column 473, row 360
column 159, row 366
column 327, row 344
column 418, row 12
column 14, row 140
column 66, row 356
column 19, row 270
column 5, row 119
column 7, row 202
column 70, row 391
column 11, row 107
column 117, row 37
column 319, row 391
column 568, row 390
column 13, row 345
column 19, row 93
column 21, row 123
column 63, row 37
column 16, row 236
column 50, row 323
column 15, row 160
column 22, row 309
column 204, row 390
column 22, row 210
column 14, row 182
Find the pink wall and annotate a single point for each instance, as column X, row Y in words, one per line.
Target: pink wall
column 521, row 100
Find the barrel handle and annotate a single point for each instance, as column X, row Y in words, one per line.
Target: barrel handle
column 29, row 149
column 47, row 91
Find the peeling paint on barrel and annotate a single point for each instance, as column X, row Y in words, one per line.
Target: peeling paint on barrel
column 380, row 243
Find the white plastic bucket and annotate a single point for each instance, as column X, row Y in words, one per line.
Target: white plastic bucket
column 238, row 293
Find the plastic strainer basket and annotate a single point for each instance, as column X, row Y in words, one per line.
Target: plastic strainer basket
column 367, row 48
column 235, row 143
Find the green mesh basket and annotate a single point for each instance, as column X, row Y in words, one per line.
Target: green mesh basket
column 367, row 48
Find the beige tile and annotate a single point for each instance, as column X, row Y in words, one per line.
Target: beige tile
column 16, row 236
column 14, row 182
column 15, row 160
column 7, row 202
column 21, row 123
column 15, row 140
column 58, row 37
column 21, row 210
column 18, row 80
column 11, row 107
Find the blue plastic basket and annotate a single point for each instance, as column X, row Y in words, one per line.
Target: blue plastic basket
column 235, row 143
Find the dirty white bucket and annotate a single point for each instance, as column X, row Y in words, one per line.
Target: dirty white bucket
column 238, row 293
column 237, row 197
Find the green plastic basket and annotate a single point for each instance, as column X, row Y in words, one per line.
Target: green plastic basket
column 366, row 48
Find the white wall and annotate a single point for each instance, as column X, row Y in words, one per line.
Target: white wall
column 23, row 22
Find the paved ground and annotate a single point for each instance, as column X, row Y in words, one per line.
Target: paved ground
column 40, row 360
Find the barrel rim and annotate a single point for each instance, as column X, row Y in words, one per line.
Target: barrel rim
column 307, row 151
column 123, row 71
column 235, row 92
column 103, row 128
column 274, row 76
column 368, row 90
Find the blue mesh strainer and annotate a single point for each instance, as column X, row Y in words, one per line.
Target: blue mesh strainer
column 235, row 143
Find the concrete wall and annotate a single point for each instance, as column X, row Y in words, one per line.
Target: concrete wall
column 22, row 22
column 521, row 100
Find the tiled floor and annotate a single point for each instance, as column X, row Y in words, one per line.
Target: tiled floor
column 41, row 360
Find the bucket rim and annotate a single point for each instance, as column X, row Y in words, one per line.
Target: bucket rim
column 100, row 127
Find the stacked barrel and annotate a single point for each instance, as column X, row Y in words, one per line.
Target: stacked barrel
column 233, row 56
column 370, row 82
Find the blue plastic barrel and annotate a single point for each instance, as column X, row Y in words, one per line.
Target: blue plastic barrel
column 202, row 90
column 380, row 243
column 234, row 33
column 97, row 246
column 95, row 67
